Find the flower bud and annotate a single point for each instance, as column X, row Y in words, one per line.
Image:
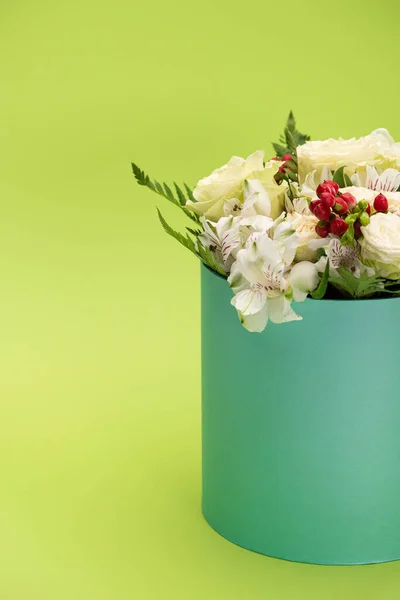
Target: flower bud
column 340, row 205
column 380, row 203
column 328, row 186
column 349, row 199
column 364, row 219
column 339, row 227
column 287, row 157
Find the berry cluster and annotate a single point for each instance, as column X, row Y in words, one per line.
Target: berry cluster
column 337, row 211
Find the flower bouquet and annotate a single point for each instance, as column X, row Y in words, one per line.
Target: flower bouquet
column 319, row 219
column 300, row 425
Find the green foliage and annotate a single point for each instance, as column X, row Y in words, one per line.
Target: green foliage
column 351, row 286
column 165, row 191
column 205, row 255
column 347, row 238
column 323, row 284
column 341, row 178
column 290, row 139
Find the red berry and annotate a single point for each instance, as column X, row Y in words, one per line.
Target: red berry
column 328, row 186
column 368, row 209
column 287, row 157
column 276, row 158
column 313, row 204
column 328, row 199
column 323, row 230
column 349, row 199
column 340, row 205
column 339, row 226
column 282, row 169
column 321, row 211
column 380, row 203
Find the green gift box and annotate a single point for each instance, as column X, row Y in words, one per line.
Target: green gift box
column 301, row 429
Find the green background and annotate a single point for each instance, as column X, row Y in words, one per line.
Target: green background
column 99, row 319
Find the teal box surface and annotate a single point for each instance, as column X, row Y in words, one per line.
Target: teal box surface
column 301, row 429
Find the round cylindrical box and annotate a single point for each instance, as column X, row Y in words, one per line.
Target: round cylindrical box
column 301, row 429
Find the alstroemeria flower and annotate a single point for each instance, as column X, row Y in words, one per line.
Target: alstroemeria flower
column 387, row 181
column 262, row 282
column 226, row 237
column 222, row 238
column 342, row 256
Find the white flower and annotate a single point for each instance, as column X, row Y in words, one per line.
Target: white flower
column 304, row 225
column 262, row 283
column 387, row 181
column 303, row 279
column 380, row 245
column 346, row 257
column 221, row 238
column 226, row 237
column 225, row 186
column 377, row 149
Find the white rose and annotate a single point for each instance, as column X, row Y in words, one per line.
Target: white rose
column 377, row 149
column 304, row 225
column 380, row 245
column 227, row 182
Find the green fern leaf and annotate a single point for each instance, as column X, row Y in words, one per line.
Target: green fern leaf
column 165, row 191
column 205, row 255
column 357, row 287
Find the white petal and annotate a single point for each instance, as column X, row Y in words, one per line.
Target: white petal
column 249, row 302
column 256, row 199
column 280, row 310
column 384, row 132
column 304, row 279
column 254, row 162
column 257, row 223
column 236, row 280
column 255, row 323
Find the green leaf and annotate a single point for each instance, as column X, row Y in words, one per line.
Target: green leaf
column 280, row 150
column 323, row 284
column 205, row 254
column 195, row 232
column 347, row 181
column 347, row 238
column 189, row 193
column 288, row 143
column 338, row 177
column 184, row 240
column 299, row 138
column 180, row 194
column 357, row 287
column 165, row 191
